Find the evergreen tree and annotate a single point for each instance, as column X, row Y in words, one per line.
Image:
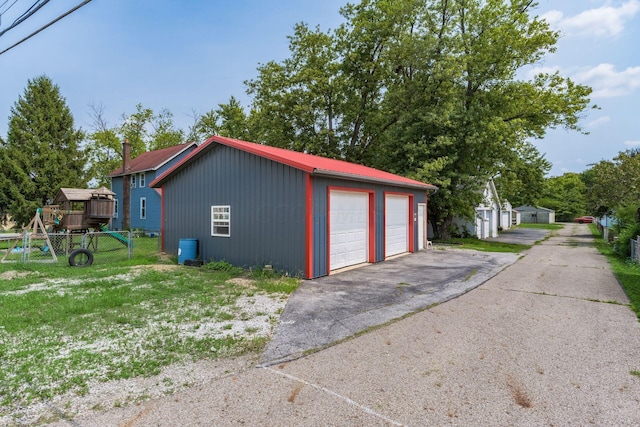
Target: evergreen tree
column 42, row 152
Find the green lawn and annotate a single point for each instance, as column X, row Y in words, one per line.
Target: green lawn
column 627, row 272
column 554, row 226
column 483, row 245
column 62, row 328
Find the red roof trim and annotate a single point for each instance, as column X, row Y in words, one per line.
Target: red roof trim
column 305, row 162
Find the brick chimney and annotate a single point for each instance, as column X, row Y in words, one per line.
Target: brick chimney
column 126, row 186
column 126, row 156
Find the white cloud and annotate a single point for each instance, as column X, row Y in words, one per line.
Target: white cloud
column 609, row 83
column 532, row 73
column 605, row 80
column 603, row 21
column 599, row 121
column 632, row 143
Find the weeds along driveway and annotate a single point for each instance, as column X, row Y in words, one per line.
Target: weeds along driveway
column 326, row 310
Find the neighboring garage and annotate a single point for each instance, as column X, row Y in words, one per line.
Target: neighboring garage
column 254, row 205
column 536, row 215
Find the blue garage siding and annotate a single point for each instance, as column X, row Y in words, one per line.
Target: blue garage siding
column 267, row 201
column 320, row 232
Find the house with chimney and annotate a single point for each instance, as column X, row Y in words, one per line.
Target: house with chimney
column 137, row 206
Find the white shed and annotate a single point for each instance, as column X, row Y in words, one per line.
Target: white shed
column 487, row 215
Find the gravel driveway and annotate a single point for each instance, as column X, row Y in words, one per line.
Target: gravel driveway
column 548, row 341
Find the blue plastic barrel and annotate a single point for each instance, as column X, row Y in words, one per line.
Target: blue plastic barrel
column 187, row 249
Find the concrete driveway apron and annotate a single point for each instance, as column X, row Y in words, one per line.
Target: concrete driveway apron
column 329, row 309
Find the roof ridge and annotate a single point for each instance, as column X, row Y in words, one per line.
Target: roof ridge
column 310, row 163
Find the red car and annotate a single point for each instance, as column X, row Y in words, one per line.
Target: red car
column 584, row 220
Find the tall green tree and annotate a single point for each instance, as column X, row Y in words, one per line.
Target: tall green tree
column 565, row 194
column 613, row 188
column 144, row 129
column 522, row 177
column 164, row 133
column 228, row 120
column 104, row 148
column 426, row 89
column 614, row 184
column 296, row 102
column 42, row 152
column 480, row 114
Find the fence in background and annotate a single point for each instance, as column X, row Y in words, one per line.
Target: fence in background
column 635, row 250
column 106, row 246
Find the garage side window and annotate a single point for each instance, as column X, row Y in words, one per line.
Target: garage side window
column 221, row 221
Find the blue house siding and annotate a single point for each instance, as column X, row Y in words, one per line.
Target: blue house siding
column 153, row 200
column 152, row 221
column 321, row 187
column 162, row 169
column 267, row 210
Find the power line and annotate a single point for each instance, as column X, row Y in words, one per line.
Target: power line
column 8, row 7
column 69, row 12
column 29, row 12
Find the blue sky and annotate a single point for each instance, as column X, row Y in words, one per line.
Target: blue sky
column 189, row 56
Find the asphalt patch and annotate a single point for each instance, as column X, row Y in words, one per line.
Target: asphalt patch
column 329, row 309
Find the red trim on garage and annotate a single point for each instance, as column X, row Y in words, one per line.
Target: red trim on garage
column 410, row 228
column 303, row 161
column 309, row 225
column 371, row 232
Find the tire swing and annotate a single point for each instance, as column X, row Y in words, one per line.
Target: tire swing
column 80, row 258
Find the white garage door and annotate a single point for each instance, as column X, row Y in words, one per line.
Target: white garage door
column 396, row 233
column 349, row 225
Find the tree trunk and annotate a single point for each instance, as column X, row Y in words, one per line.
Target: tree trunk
column 441, row 225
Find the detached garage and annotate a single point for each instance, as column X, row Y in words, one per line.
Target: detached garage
column 254, row 205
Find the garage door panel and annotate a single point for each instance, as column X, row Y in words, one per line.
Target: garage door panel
column 396, row 224
column 349, row 224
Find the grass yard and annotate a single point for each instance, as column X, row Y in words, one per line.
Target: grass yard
column 64, row 328
column 554, row 226
column 484, row 245
column 626, row 271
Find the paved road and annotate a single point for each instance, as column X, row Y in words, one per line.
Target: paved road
column 522, row 235
column 548, row 341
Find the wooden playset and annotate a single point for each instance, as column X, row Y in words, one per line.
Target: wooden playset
column 74, row 211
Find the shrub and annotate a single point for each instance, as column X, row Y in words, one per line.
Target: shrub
column 222, row 266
